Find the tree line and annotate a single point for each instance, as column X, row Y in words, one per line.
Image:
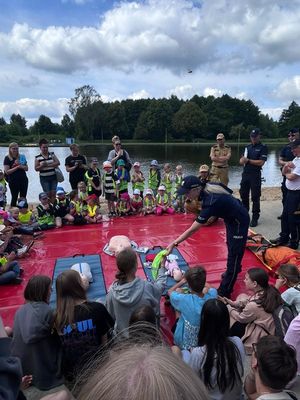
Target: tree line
column 153, row 120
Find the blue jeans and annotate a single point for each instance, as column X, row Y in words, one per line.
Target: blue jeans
column 48, row 183
column 11, row 274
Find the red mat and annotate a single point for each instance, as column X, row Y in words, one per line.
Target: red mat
column 207, row 247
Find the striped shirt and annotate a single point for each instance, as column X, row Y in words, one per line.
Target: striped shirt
column 47, row 170
column 109, row 179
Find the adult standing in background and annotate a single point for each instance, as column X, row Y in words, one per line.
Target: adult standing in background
column 76, row 165
column 290, row 228
column 254, row 157
column 220, row 154
column 285, row 156
column 15, row 167
column 119, row 154
column 45, row 164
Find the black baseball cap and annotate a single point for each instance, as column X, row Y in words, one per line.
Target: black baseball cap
column 190, row 182
column 255, row 132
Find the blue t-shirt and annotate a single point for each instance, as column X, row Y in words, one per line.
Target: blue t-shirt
column 190, row 307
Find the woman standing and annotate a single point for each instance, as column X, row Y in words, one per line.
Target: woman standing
column 76, row 166
column 119, row 154
column 45, row 164
column 15, row 167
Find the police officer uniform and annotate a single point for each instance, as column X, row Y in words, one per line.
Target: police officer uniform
column 236, row 219
column 219, row 169
column 251, row 177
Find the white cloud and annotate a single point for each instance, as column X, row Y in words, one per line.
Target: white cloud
column 289, row 89
column 212, row 92
column 142, row 94
column 174, row 35
column 241, row 96
column 272, row 112
column 33, row 108
column 182, row 92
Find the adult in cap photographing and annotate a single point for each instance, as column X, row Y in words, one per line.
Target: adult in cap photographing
column 236, row 219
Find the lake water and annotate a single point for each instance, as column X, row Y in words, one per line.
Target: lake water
column 191, row 156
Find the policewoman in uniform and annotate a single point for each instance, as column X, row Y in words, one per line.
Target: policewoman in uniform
column 220, row 154
column 236, row 219
column 254, row 157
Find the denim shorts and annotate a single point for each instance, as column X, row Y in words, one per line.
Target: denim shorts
column 48, row 183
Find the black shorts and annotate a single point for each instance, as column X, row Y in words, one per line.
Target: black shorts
column 110, row 197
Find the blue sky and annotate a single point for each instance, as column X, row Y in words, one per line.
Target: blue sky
column 127, row 49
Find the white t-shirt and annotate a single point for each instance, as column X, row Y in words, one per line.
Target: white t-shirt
column 275, row 396
column 196, row 359
column 295, row 183
column 292, row 297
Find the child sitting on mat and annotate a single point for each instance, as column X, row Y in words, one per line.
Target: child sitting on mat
column 149, row 202
column 129, row 291
column 190, row 306
column 62, row 208
column 45, row 212
column 124, row 205
column 163, row 202
column 93, row 210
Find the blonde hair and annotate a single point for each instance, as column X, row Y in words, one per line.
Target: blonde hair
column 115, row 139
column 13, row 144
column 143, row 372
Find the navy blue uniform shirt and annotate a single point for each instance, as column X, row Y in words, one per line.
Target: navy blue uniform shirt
column 286, row 153
column 222, row 206
column 256, row 151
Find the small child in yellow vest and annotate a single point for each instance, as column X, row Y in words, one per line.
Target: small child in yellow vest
column 137, row 178
column 149, row 203
column 123, row 205
column 163, row 203
column 167, row 179
column 136, row 202
column 93, row 210
column 178, row 199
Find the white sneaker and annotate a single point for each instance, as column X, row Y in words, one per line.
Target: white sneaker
column 22, row 251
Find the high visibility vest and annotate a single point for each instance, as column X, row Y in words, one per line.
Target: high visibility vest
column 149, row 202
column 167, row 182
column 123, row 185
column 92, row 210
column 178, row 181
column 139, row 185
column 25, row 218
column 153, row 181
column 162, row 200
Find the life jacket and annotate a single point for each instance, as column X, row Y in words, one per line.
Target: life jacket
column 92, row 210
column 139, row 185
column 162, row 200
column 153, row 181
column 45, row 217
column 167, row 182
column 276, row 256
column 25, row 218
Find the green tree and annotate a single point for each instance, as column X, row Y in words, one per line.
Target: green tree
column 84, row 97
column 189, row 122
column 116, row 120
column 155, row 122
column 18, row 120
column 68, row 125
column 290, row 118
column 2, row 121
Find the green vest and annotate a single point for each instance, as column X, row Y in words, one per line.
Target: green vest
column 153, row 181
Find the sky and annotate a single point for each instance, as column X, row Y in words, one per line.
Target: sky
column 248, row 49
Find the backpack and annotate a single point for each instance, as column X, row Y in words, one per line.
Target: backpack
column 283, row 316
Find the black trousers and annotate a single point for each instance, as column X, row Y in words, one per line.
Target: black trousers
column 236, row 236
column 251, row 182
column 18, row 188
column 290, row 227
